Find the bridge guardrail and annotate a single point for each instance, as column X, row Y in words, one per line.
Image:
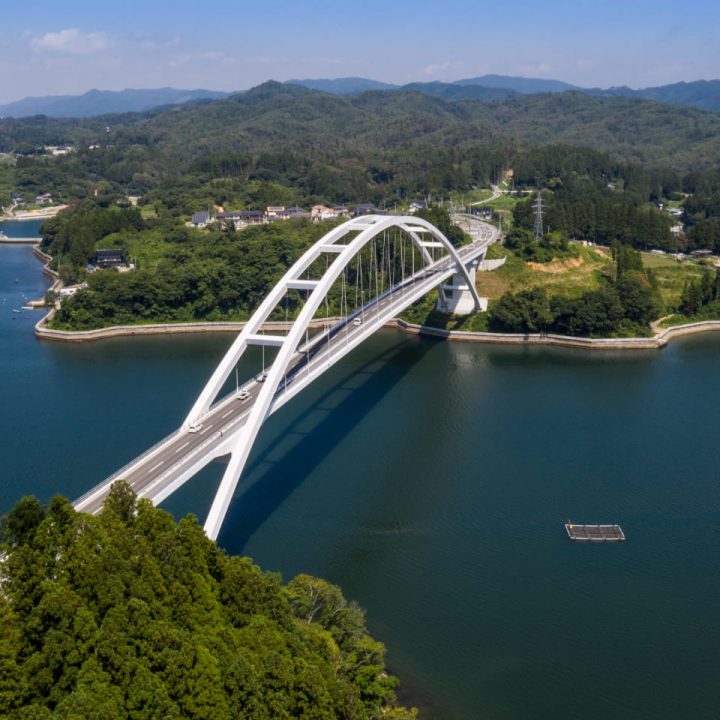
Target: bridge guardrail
column 116, row 475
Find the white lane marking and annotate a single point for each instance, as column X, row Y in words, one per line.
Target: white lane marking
column 155, row 467
column 202, row 432
column 229, row 412
column 182, row 446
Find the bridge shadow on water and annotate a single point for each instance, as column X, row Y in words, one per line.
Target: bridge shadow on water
column 297, row 449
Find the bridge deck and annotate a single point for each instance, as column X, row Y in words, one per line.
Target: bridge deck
column 165, row 467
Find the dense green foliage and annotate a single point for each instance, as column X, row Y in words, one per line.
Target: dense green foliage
column 187, row 275
column 72, row 237
column 130, row 616
column 378, row 146
column 184, row 275
column 592, row 197
column 624, row 305
column 702, row 210
column 701, row 298
column 551, row 246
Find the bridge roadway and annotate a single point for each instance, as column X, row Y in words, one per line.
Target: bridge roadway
column 166, row 466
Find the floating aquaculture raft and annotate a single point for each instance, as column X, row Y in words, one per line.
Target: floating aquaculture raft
column 595, row 533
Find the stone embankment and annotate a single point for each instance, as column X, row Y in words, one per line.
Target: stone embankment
column 647, row 343
column 43, row 331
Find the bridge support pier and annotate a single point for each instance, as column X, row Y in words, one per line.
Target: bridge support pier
column 457, row 298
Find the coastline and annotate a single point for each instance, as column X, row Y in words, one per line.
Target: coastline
column 26, row 215
column 643, row 343
column 656, row 342
column 649, row 343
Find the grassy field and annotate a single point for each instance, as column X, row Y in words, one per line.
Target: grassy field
column 672, row 275
column 578, row 275
column 503, row 205
column 573, row 276
column 148, row 212
column 146, row 248
column 473, row 196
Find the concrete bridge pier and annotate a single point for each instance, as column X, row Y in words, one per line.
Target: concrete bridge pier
column 456, row 298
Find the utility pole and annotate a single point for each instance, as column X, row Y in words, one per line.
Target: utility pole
column 538, row 216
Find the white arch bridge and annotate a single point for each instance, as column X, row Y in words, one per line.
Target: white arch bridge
column 229, row 425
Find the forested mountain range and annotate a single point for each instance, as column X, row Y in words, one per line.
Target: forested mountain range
column 703, row 94
column 279, row 118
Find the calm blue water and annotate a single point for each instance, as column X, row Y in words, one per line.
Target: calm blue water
column 432, row 480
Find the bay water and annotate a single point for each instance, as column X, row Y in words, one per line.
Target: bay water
column 432, row 481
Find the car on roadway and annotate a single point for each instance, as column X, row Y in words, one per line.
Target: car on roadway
column 195, row 427
column 261, row 377
column 357, row 321
column 243, row 395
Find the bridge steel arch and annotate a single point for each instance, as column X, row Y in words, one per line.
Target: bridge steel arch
column 367, row 227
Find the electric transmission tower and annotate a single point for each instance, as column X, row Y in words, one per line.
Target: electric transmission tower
column 538, row 216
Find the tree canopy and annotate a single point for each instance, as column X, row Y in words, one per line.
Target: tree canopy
column 131, row 616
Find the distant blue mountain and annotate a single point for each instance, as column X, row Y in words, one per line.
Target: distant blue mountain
column 524, row 86
column 344, row 86
column 505, row 84
column 101, row 102
column 451, row 91
column 703, row 94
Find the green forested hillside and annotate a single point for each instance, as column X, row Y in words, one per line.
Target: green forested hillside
column 344, row 136
column 131, row 616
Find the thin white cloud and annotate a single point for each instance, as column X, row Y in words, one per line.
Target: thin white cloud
column 535, row 70
column 72, row 41
column 442, row 69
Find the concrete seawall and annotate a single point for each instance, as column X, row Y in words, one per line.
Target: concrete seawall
column 655, row 342
column 46, row 333
column 649, row 343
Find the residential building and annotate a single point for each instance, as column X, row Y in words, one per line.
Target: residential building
column 201, row 219
column 295, row 212
column 365, row 209
column 110, row 258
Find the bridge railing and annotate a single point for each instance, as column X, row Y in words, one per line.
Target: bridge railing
column 118, row 474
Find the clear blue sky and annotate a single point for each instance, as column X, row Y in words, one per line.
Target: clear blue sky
column 68, row 47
